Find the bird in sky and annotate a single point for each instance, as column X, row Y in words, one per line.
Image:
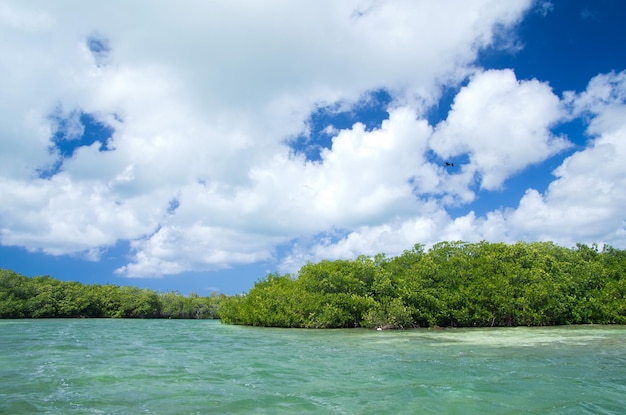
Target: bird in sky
column 449, row 164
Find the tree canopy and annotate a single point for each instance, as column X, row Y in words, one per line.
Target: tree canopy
column 46, row 297
column 452, row 284
column 455, row 284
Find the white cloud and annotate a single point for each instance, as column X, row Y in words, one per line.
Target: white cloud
column 60, row 216
column 24, row 20
column 605, row 91
column 203, row 96
column 502, row 124
column 172, row 250
column 363, row 179
column 585, row 203
column 432, row 225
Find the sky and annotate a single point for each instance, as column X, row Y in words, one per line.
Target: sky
column 197, row 146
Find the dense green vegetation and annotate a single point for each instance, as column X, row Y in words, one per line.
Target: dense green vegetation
column 453, row 284
column 46, row 297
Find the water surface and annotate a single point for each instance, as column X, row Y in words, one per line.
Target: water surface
column 204, row 367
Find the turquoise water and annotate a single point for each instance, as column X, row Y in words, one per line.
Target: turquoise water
column 204, row 367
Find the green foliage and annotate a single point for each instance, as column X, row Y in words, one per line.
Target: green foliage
column 46, row 297
column 453, row 284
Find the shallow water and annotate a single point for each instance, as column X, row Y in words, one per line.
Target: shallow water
column 204, row 367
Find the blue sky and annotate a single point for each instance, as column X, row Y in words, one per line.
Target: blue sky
column 197, row 146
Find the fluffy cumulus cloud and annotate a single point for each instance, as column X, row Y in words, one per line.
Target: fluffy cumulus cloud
column 502, row 124
column 203, row 98
column 586, row 201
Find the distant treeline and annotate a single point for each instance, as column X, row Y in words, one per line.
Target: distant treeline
column 46, row 297
column 452, row 284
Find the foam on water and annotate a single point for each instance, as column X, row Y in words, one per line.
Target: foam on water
column 516, row 337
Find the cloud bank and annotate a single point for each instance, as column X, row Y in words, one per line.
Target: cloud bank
column 203, row 99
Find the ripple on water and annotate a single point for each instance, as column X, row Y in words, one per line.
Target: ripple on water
column 187, row 367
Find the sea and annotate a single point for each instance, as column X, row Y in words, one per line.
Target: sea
column 119, row 366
